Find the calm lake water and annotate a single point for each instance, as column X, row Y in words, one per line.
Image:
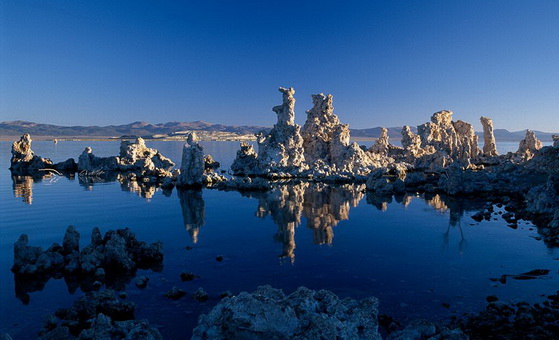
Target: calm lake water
column 413, row 253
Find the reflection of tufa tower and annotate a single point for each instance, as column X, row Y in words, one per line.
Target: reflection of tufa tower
column 23, row 187
column 323, row 205
column 193, row 211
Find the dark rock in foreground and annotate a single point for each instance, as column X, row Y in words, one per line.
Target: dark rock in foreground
column 305, row 314
column 112, row 259
column 97, row 316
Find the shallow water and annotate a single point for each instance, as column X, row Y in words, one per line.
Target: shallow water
column 413, row 253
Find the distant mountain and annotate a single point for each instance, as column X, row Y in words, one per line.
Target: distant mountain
column 17, row 128
column 143, row 129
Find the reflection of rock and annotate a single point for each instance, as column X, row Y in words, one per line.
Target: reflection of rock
column 24, row 160
column 113, row 260
column 323, row 206
column 23, row 187
column 305, row 314
column 193, row 211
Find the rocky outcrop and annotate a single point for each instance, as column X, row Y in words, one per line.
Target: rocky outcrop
column 305, row 314
column 134, row 157
column 281, row 149
column 192, row 164
column 24, row 160
column 529, row 145
column 422, row 329
column 246, row 161
column 98, row 315
column 113, row 258
column 489, row 144
column 326, row 141
column 454, row 139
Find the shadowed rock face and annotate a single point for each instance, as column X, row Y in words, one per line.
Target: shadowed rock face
column 305, row 314
column 112, row 259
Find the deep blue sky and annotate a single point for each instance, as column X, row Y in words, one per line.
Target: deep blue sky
column 387, row 63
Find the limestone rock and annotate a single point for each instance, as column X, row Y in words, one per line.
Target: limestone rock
column 89, row 163
column 381, row 145
column 24, row 160
column 529, row 145
column 137, row 155
column 305, row 314
column 555, row 141
column 489, row 145
column 192, row 165
column 282, row 147
column 246, row 161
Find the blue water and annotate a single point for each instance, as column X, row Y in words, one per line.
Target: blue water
column 413, row 253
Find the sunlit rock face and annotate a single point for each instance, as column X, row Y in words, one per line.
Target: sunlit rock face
column 457, row 139
column 529, row 145
column 489, row 144
column 138, row 156
column 327, row 141
column 24, row 160
column 282, row 148
column 133, row 157
column 305, row 314
column 192, row 164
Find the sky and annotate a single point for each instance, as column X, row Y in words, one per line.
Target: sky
column 387, row 63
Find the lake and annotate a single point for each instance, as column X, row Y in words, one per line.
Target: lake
column 417, row 254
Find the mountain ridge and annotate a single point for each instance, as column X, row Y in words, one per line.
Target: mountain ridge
column 146, row 129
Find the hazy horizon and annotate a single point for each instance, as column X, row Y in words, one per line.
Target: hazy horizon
column 386, row 63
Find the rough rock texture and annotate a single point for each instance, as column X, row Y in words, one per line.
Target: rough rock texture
column 192, row 165
column 137, row 155
column 246, row 161
column 382, row 145
column 555, row 141
column 305, row 314
column 326, row 141
column 112, row 260
column 134, row 157
column 489, row 144
column 96, row 316
column 529, row 145
column 24, row 160
column 282, row 147
column 422, row 329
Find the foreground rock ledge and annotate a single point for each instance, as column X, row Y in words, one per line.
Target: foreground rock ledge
column 305, row 314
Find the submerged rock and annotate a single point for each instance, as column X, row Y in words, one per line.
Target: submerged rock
column 305, row 314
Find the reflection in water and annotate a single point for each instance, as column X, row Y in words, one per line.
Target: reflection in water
column 145, row 189
column 323, row 206
column 193, row 211
column 23, row 185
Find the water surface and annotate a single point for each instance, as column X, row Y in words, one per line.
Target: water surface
column 414, row 253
